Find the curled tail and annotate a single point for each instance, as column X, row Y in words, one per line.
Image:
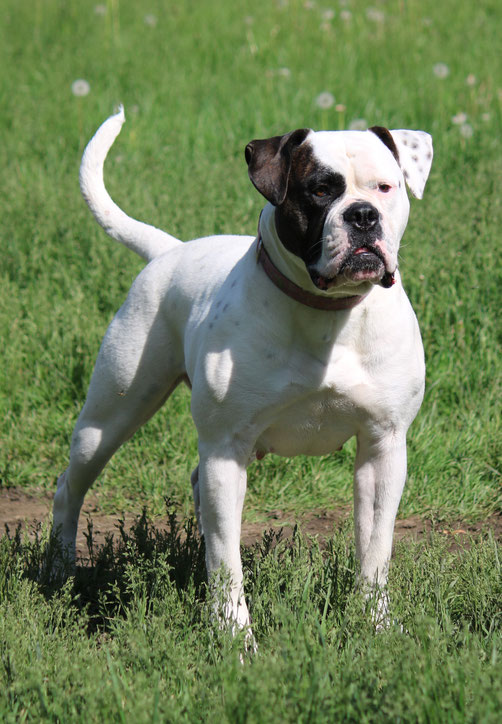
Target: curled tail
column 145, row 240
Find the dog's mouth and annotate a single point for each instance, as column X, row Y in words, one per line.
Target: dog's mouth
column 365, row 251
column 361, row 264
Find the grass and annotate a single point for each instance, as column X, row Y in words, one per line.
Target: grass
column 128, row 640
column 196, row 87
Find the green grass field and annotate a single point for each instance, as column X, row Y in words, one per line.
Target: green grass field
column 198, row 81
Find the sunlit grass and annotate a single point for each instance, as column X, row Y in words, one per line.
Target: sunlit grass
column 130, row 639
column 197, row 86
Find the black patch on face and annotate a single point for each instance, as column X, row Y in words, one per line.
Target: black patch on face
column 312, row 191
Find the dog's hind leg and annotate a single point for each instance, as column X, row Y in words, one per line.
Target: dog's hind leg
column 194, row 479
column 138, row 367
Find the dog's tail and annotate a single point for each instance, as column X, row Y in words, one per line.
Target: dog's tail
column 145, row 240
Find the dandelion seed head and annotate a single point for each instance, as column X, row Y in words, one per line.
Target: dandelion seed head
column 346, row 15
column 459, row 118
column 80, row 87
column 471, row 79
column 284, row 72
column 100, row 10
column 358, row 124
column 441, row 70
column 328, row 14
column 466, row 130
column 150, row 20
column 376, row 16
column 325, row 100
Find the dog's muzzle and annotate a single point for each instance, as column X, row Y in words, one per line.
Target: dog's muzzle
column 364, row 260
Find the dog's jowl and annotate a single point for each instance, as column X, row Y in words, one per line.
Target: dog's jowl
column 292, row 341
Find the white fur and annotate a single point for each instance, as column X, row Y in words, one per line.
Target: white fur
column 267, row 373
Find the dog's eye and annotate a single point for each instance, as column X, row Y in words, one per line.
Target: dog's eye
column 384, row 188
column 321, row 192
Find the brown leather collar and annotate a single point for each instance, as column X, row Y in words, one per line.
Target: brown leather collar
column 292, row 290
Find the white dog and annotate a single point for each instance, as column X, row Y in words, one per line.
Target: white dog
column 293, row 341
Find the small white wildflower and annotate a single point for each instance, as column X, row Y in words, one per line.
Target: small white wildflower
column 377, row 16
column 427, row 22
column 309, row 5
column 248, row 20
column 80, row 87
column 471, row 79
column 150, row 20
column 358, row 124
column 284, row 72
column 100, row 9
column 466, row 130
column 346, row 15
column 485, row 117
column 344, row 3
column 441, row 70
column 328, row 14
column 459, row 118
column 325, row 100
column 340, row 108
column 325, row 26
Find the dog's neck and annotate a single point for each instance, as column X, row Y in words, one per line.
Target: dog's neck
column 293, row 267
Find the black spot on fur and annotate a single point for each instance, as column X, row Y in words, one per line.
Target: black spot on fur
column 386, row 137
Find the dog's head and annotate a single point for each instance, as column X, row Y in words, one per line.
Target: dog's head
column 340, row 197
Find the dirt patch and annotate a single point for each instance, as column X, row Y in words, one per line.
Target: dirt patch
column 18, row 507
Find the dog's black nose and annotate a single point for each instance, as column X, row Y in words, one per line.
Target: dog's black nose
column 361, row 215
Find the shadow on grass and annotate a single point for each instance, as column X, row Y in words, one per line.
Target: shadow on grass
column 103, row 580
column 141, row 556
column 282, row 576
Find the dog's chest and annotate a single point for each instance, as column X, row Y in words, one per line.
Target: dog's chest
column 317, row 413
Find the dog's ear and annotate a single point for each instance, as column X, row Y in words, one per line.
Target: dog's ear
column 269, row 163
column 413, row 152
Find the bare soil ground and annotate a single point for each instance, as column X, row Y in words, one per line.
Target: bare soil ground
column 18, row 507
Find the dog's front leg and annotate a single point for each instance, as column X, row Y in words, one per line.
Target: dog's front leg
column 380, row 474
column 222, row 487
